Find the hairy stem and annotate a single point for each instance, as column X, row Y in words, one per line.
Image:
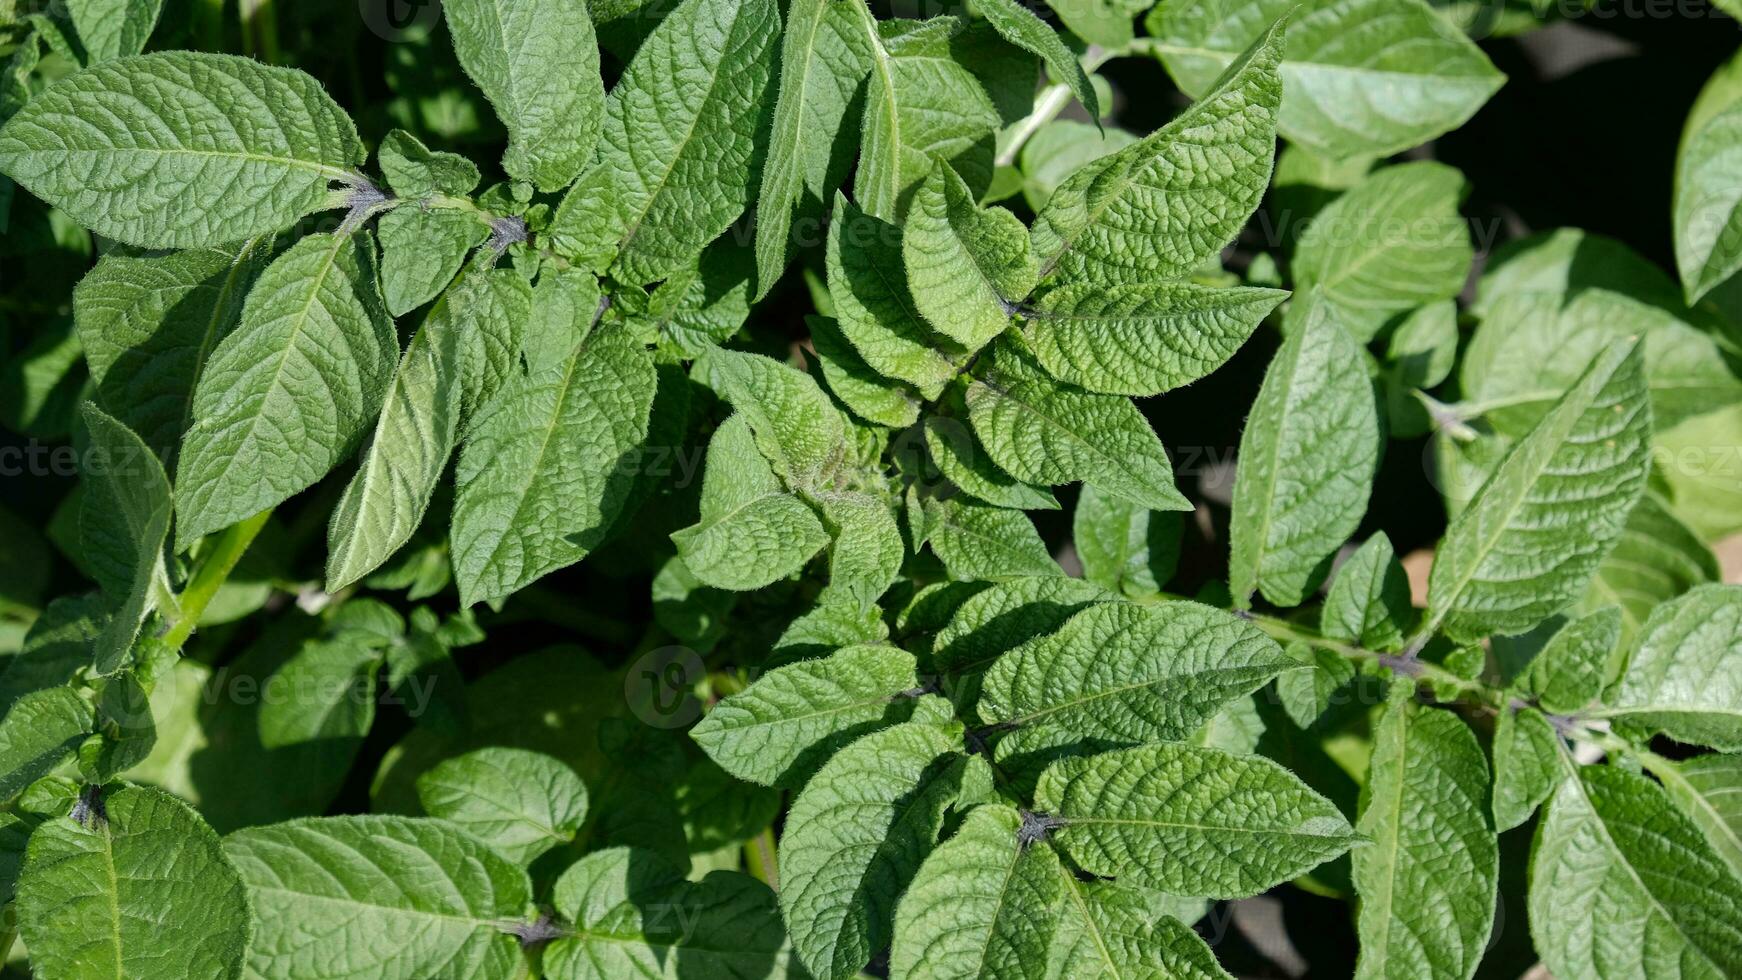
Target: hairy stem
column 216, row 563
column 760, row 859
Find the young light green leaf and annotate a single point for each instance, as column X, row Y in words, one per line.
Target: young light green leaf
column 385, row 501
column 961, row 459
column 1042, row 432
column 982, row 906
column 673, row 169
column 875, row 306
column 968, row 267
column 1527, row 765
column 1113, row 929
column 1368, row 603
column 287, row 394
column 110, row 29
column 178, row 149
column 521, row 803
column 1621, row 883
column 921, row 105
column 1125, row 548
column 1656, row 559
column 795, row 426
column 1142, row 338
column 546, row 466
column 326, row 890
column 148, row 324
column 622, row 902
column 851, row 380
column 538, row 64
column 123, row 524
column 780, row 729
column 1572, row 667
column 1406, row 78
column 1684, row 677
column 1393, row 243
column 1151, row 211
column 1021, row 27
column 1306, row 463
column 1428, row 883
column 866, row 554
column 979, row 542
column 824, row 58
column 855, row 837
column 415, row 171
column 1190, row 820
column 1709, row 790
column 1526, row 546
column 751, row 532
column 1119, row 673
column 1708, row 206
column 39, row 732
column 422, row 249
column 87, row 886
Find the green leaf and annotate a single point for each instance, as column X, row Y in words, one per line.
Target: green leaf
column 865, row 557
column 1021, row 27
column 146, row 892
column 1709, row 790
column 780, row 729
column 1306, row 464
column 961, row 460
column 978, row 542
column 983, row 905
column 854, row 839
column 179, row 149
column 921, row 105
column 520, row 803
column 968, row 267
column 55, row 648
column 385, row 501
column 538, row 64
column 110, row 29
column 414, row 171
column 421, row 252
column 286, row 395
column 1190, row 820
column 1656, row 559
column 1142, row 338
column 39, row 732
column 1572, row 667
column 1393, row 243
column 492, row 308
column 148, row 324
column 1622, row 884
column 851, row 380
column 1684, row 677
column 1117, row 673
column 795, row 426
column 824, row 58
column 674, row 163
column 1406, row 77
column 548, row 464
column 875, row 306
column 751, row 532
column 1152, row 210
column 1368, row 603
column 1527, row 765
column 1708, row 206
column 123, row 526
column 1530, row 348
column 1428, row 883
column 1058, row 149
column 327, row 890
column 1125, row 548
column 331, row 685
column 1527, row 545
column 635, row 915
column 1007, row 614
column 1112, row 929
column 1042, row 432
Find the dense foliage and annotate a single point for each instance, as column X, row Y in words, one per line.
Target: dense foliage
column 677, row 488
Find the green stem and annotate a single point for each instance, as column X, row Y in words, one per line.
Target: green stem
column 216, row 563
column 760, row 860
column 259, row 29
column 1411, row 666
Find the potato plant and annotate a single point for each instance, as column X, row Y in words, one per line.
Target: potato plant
column 738, row 488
